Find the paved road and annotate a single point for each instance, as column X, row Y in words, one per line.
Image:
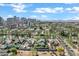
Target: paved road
column 70, row 52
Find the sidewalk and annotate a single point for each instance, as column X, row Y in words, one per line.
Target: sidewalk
column 71, row 47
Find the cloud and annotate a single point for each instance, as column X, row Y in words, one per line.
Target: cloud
column 43, row 16
column 60, row 9
column 1, row 4
column 57, row 10
column 9, row 16
column 68, row 9
column 48, row 10
column 33, row 16
column 73, row 10
column 42, row 10
column 18, row 7
column 76, row 18
column 38, row 16
column 76, row 8
column 68, row 3
column 72, row 18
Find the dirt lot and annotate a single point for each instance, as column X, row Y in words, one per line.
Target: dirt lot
column 30, row 53
column 24, row 53
column 45, row 53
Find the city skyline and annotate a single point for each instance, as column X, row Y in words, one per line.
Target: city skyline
column 39, row 29
column 46, row 11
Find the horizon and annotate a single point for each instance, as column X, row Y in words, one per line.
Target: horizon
column 46, row 11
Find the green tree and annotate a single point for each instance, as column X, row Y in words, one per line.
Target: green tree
column 13, row 50
column 65, row 33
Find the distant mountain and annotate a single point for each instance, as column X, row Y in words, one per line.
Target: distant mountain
column 63, row 21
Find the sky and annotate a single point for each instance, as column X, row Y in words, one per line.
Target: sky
column 42, row 11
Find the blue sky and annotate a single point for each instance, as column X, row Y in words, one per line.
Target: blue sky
column 45, row 11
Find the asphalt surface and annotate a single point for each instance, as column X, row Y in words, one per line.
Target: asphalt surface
column 70, row 51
